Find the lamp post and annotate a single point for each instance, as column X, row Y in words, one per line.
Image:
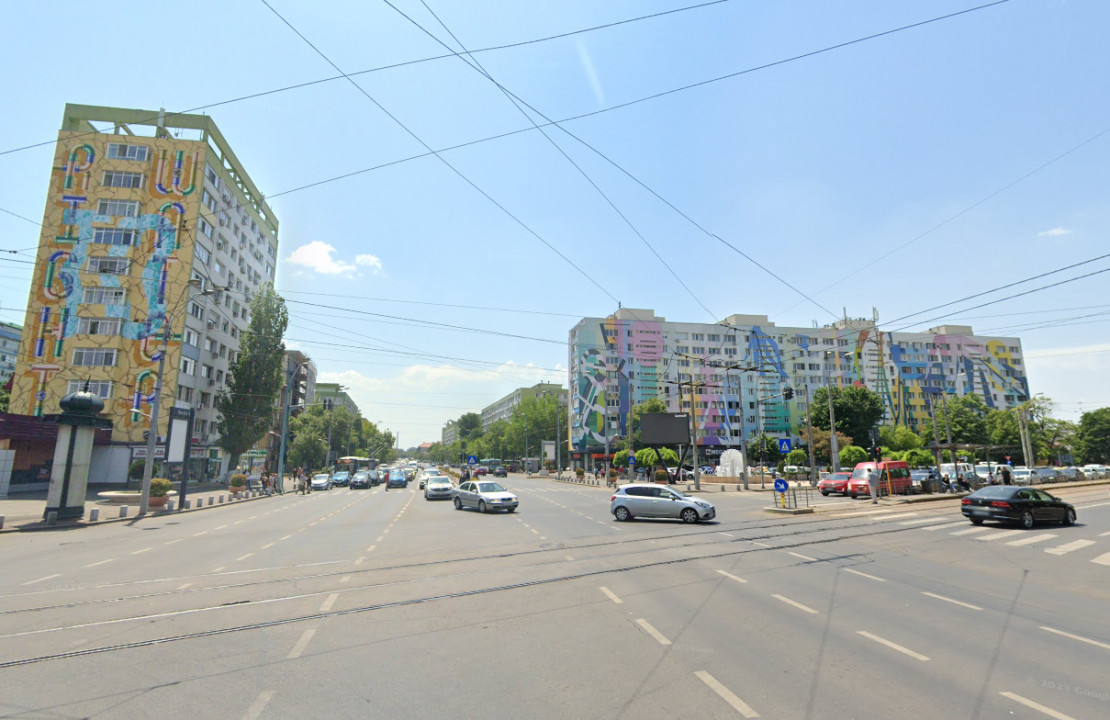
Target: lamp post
column 834, row 446
column 156, row 403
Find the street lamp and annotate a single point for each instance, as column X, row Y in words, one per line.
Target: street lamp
column 834, row 446
column 156, row 400
column 296, row 368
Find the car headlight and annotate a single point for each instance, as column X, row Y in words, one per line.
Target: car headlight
column 702, row 504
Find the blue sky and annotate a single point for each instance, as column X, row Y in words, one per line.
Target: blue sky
column 899, row 152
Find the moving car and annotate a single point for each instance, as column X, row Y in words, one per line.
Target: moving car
column 834, row 482
column 1022, row 505
column 481, row 470
column 341, row 478
column 360, row 479
column 893, row 475
column 320, row 481
column 485, row 495
column 375, row 477
column 438, row 486
column 396, row 479
column 500, row 472
column 649, row 500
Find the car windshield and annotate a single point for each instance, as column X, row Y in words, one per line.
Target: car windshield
column 490, row 487
column 860, row 473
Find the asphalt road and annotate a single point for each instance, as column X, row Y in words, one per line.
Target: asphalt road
column 366, row 603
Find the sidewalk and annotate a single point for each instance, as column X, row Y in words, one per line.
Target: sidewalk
column 24, row 511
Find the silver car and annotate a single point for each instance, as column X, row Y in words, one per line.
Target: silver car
column 437, row 486
column 647, row 500
column 485, row 495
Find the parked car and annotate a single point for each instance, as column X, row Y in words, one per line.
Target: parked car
column 438, row 487
column 960, row 473
column 1069, row 474
column 396, row 479
column 834, row 483
column 485, row 495
column 1025, row 476
column 320, row 481
column 341, row 478
column 648, row 500
column 893, row 476
column 1022, row 505
column 360, row 479
column 1095, row 472
column 1047, row 475
column 500, row 472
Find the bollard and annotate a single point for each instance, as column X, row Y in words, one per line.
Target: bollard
column 211, row 500
column 51, row 517
column 169, row 505
column 1, row 522
column 123, row 511
column 737, row 488
column 94, row 515
column 221, row 500
column 188, row 504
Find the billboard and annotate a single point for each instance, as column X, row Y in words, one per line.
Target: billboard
column 665, row 428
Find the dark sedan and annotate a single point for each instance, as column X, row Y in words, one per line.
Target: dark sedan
column 1022, row 505
column 360, row 479
column 500, row 472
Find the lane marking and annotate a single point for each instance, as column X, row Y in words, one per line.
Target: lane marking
column 329, row 601
column 942, row 527
column 102, row 562
column 920, row 521
column 950, row 600
column 345, row 578
column 1069, row 547
column 659, row 637
column 726, row 534
column 569, row 558
column 534, row 530
column 1036, row 706
column 730, row 576
column 1105, row 534
column 892, row 645
column 762, row 545
column 611, row 595
column 267, row 545
column 970, row 531
column 172, row 542
column 1080, row 638
column 863, row 574
column 379, row 538
column 259, row 704
column 803, row 557
column 1102, row 559
column 727, row 695
column 182, row 586
column 301, row 644
column 222, row 567
column 371, row 548
column 1031, row 539
column 798, row 605
column 220, row 527
column 999, row 535
column 243, row 557
column 895, row 517
column 358, row 560
column 41, row 579
column 202, row 532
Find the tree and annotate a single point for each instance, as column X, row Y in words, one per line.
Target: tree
column 919, row 458
column 308, row 450
column 1093, row 436
column 533, row 420
column 797, row 457
column 764, row 450
column 246, row 404
column 852, row 455
column 967, row 418
column 469, row 426
column 858, row 410
column 899, row 437
column 5, row 396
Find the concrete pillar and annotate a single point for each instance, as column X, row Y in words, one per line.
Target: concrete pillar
column 69, row 474
column 94, row 514
column 123, row 511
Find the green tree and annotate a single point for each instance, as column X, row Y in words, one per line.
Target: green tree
column 919, row 458
column 764, row 450
column 246, row 404
column 858, row 410
column 899, row 437
column 469, row 426
column 967, row 418
column 797, row 457
column 5, row 397
column 308, row 450
column 1093, row 436
column 1002, row 430
column 852, row 455
column 533, row 420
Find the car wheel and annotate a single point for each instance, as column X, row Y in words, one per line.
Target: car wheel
column 622, row 514
column 1069, row 517
column 1026, row 520
column 481, row 506
column 510, row 509
column 852, row 495
column 689, row 515
column 976, row 521
column 458, row 504
column 825, row 493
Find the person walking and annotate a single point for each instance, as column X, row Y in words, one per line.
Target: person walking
column 1007, row 475
column 873, row 485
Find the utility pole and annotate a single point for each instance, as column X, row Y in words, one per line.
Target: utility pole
column 693, row 435
column 328, row 403
column 287, row 400
column 809, row 441
column 834, row 445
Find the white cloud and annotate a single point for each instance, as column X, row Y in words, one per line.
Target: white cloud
column 591, row 73
column 1054, row 232
column 317, row 256
column 370, row 261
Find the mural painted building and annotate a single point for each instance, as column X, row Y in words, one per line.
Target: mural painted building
column 742, row 369
column 151, row 223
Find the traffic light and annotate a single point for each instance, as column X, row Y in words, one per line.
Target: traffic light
column 788, row 393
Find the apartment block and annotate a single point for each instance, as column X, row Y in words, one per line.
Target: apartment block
column 503, row 408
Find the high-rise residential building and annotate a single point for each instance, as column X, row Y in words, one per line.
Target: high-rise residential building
column 9, row 349
column 154, row 239
column 450, row 432
column 336, row 393
column 742, row 369
column 503, row 408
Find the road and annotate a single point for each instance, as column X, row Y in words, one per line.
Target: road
column 366, row 603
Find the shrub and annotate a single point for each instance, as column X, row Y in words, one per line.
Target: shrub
column 662, row 476
column 135, row 471
column 238, row 480
column 579, row 472
column 612, row 473
column 159, row 487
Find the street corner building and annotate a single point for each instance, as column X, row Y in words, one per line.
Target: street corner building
column 153, row 237
column 742, row 368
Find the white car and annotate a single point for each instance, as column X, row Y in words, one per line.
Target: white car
column 485, row 495
column 321, row 481
column 438, row 486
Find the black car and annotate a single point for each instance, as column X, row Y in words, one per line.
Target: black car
column 1011, row 503
column 360, row 479
column 375, row 477
column 500, row 472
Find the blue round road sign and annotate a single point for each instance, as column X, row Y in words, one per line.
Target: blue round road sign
column 780, row 485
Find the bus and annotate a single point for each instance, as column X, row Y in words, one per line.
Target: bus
column 490, row 463
column 353, row 463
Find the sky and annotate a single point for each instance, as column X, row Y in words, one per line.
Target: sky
column 799, row 159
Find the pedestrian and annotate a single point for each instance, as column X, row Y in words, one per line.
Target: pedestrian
column 1007, row 475
column 873, row 485
column 265, row 481
column 249, row 489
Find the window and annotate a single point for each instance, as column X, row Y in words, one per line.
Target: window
column 218, row 267
column 205, row 400
column 223, row 350
column 207, row 371
column 114, row 236
column 98, row 326
column 108, row 265
column 205, row 227
column 196, row 310
column 201, row 254
column 191, row 337
column 211, row 176
column 184, row 394
column 200, row 427
column 103, row 296
column 234, row 332
column 119, row 179
column 122, row 208
column 714, row 338
column 210, row 345
column 94, row 357
column 101, row 388
column 188, row 366
column 122, row 151
column 208, row 200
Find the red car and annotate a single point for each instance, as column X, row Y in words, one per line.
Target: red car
column 835, row 483
column 481, row 470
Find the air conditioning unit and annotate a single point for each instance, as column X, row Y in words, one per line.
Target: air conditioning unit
column 211, row 324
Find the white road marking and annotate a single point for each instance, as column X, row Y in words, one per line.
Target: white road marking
column 611, row 595
column 970, row 531
column 202, row 532
column 892, row 646
column 1031, row 539
column 358, row 560
column 173, row 542
column 895, row 517
column 1080, row 638
column 803, row 557
column 1036, row 706
column 1069, row 547
column 301, row 644
column 41, row 579
column 183, row 586
column 798, row 605
column 371, row 548
column 863, row 574
column 220, row 568
column 569, row 558
column 730, row 576
column 220, row 527
column 102, row 562
column 652, row 631
column 726, row 534
column 920, row 521
column 1102, row 559
column 1000, row 535
column 345, row 578
column 259, row 704
column 329, row 601
column 950, row 600
column 942, row 527
column 534, row 530
column 727, row 695
column 140, row 552
column 762, row 545
column 267, row 546
column 243, row 557
column 379, row 538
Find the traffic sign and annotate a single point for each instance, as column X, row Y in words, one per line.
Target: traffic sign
column 631, row 460
column 784, row 445
column 780, row 484
column 472, row 459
